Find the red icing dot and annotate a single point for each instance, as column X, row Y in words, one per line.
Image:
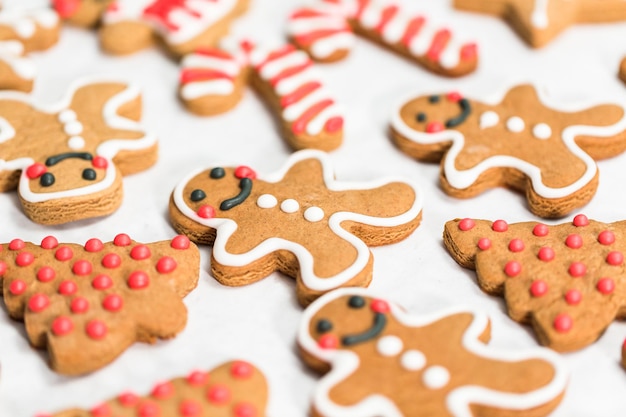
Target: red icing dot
column 24, row 259
column 484, row 243
column 82, row 267
column 454, row 96
column 180, row 242
column 379, row 306
column 102, row 282
column 541, row 230
column 574, row 241
column 189, row 408
column 328, row 341
column 434, row 127
column 605, row 285
column 94, row 245
column 79, row 305
column 581, row 220
column 516, row 245
column 111, row 260
column 243, row 171
column 241, row 370
column 206, row 212
column 68, row 287
column 122, row 240
column 166, row 265
column 546, row 254
column 103, row 410
column 512, row 268
column 606, row 237
column 218, row 394
column 46, row 274
column 62, row 325
column 64, row 253
column 615, row 258
column 128, row 399
column 466, row 224
column 563, row 323
column 577, row 269
column 500, row 226
column 17, row 244
column 138, row 280
column 140, row 252
column 573, row 297
column 49, row 242
column 38, row 303
column 113, row 302
column 99, row 162
column 96, row 329
column 36, row 170
column 149, row 409
column 163, row 390
column 17, row 287
column 244, row 410
column 538, row 288
column 198, row 378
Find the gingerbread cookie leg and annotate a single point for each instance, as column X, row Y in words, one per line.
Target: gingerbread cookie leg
column 16, row 71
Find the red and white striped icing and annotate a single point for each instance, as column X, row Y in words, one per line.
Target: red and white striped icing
column 324, row 29
column 208, row 72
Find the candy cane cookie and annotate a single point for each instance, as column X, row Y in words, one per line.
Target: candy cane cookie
column 213, row 80
column 326, row 31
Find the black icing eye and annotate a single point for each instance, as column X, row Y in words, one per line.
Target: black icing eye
column 324, row 326
column 217, row 173
column 434, row 99
column 89, row 174
column 421, row 117
column 46, row 180
column 356, row 301
column 197, row 195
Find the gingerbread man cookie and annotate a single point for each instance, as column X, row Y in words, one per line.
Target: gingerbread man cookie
column 298, row 221
column 87, row 304
column 540, row 21
column 326, row 30
column 567, row 280
column 385, row 362
column 233, row 389
column 67, row 160
column 521, row 141
column 622, row 70
column 212, row 81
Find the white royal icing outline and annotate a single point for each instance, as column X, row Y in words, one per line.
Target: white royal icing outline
column 343, row 363
column 226, row 227
column 462, row 179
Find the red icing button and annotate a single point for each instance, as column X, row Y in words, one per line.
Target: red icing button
column 62, row 325
column 500, row 226
column 122, row 240
column 466, row 224
column 244, row 410
column 189, row 408
column 516, row 245
column 243, row 171
column 581, row 220
column 241, row 370
column 38, row 303
column 577, row 269
column 79, row 305
column 454, row 96
column 103, row 410
column 111, row 260
column 36, row 170
column 379, row 306
column 82, row 267
column 540, row 230
column 140, row 252
column 563, row 323
column 17, row 287
column 166, row 265
column 102, row 282
column 573, row 297
column 163, row 390
column 49, row 242
column 605, row 285
column 46, row 274
column 149, row 409
column 546, row 254
column 64, row 253
column 606, row 237
column 206, row 212
column 218, row 394
column 67, row 287
column 138, row 280
column 512, row 268
column 94, row 245
column 613, row 258
column 113, row 302
column 180, row 242
column 128, row 399
column 99, row 162
column 484, row 243
column 574, row 241
column 197, row 378
column 538, row 288
column 24, row 259
column 96, row 329
column 3, row 268
column 328, row 341
column 17, row 244
column 434, row 127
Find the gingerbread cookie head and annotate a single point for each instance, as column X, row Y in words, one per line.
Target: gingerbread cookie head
column 299, row 221
column 67, row 161
column 522, row 141
column 385, row 362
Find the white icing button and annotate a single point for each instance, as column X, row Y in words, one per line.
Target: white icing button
column 389, row 346
column 314, row 214
column 67, row 116
column 266, row 201
column 542, row 131
column 74, row 128
column 515, row 124
column 76, row 142
column 489, row 119
column 289, row 206
column 413, row 360
column 436, row 377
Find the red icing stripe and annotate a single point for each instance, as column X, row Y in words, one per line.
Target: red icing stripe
column 198, row 74
column 274, row 55
column 290, row 72
column 440, row 40
column 304, row 13
column 387, row 14
column 362, row 4
column 469, row 52
column 300, row 92
column 412, row 29
column 213, row 52
column 311, row 37
column 334, row 124
column 300, row 124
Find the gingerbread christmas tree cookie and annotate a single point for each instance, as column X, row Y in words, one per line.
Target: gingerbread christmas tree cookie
column 298, row 221
column 567, row 281
column 522, row 141
column 233, row 389
column 87, row 303
column 385, row 362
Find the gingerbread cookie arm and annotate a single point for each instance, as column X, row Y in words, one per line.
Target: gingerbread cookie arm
column 16, row 71
column 81, row 12
column 36, row 28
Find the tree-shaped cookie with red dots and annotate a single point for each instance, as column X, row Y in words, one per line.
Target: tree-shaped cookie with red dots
column 233, row 389
column 567, row 280
column 385, row 362
column 87, row 303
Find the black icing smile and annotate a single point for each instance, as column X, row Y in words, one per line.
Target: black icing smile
column 380, row 321
column 246, row 187
column 466, row 109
